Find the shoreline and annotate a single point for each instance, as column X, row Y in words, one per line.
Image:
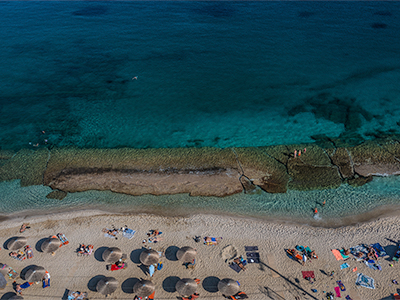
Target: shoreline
column 383, row 212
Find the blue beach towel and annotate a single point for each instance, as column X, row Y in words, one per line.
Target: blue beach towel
column 365, row 281
column 344, row 266
column 379, row 249
column 128, row 233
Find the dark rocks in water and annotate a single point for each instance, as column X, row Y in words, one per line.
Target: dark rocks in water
column 359, row 181
column 378, row 25
column 342, row 160
column 56, row 195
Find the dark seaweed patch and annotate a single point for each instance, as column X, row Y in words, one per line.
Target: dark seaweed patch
column 378, row 25
column 91, row 11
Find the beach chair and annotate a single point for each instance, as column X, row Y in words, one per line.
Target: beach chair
column 63, row 239
column 12, row 274
column 72, row 295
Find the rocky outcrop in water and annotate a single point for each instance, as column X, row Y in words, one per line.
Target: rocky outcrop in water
column 202, row 171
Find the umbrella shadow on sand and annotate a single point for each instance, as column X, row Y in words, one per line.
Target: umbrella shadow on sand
column 169, row 284
column 8, row 295
column 127, row 285
column 98, row 254
column 135, row 255
column 38, row 246
column 93, row 282
column 170, row 253
column 210, row 284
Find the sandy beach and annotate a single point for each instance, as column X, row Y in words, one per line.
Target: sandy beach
column 276, row 277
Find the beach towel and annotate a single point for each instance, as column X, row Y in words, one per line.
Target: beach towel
column 250, row 248
column 299, row 248
column 337, row 291
column 344, row 266
column 359, row 249
column 373, row 265
column 235, row 267
column 308, row 274
column 152, row 269
column 344, row 256
column 379, row 249
column 253, row 257
column 337, row 254
column 128, row 233
column 341, row 285
column 365, row 281
column 396, row 296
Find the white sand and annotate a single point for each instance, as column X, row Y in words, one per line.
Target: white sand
column 68, row 271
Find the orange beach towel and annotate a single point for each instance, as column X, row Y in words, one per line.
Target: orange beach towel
column 337, row 254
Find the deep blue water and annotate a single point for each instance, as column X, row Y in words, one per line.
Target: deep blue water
column 220, row 74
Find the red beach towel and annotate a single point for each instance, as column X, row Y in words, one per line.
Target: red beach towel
column 337, row 291
column 308, row 274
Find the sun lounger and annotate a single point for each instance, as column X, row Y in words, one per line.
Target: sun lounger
column 128, row 233
column 82, row 296
column 250, row 248
column 12, row 274
column 63, row 239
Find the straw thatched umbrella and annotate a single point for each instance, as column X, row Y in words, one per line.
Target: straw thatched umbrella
column 149, row 257
column 16, row 243
column 35, row 273
column 228, row 286
column 51, row 244
column 112, row 254
column 16, row 297
column 107, row 285
column 144, row 288
column 186, row 286
column 186, row 254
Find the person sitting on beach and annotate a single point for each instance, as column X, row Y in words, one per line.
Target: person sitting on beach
column 313, row 255
column 346, row 251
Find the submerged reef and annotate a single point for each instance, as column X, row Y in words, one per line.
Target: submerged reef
column 202, row 171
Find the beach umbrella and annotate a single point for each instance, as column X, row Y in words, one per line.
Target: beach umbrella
column 112, row 254
column 51, row 244
column 16, row 243
column 16, row 297
column 35, row 274
column 3, row 281
column 186, row 254
column 149, row 257
column 107, row 285
column 186, row 286
column 228, row 286
column 144, row 288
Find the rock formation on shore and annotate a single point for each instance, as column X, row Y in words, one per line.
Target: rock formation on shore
column 201, row 171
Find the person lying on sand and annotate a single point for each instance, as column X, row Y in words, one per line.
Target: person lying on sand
column 153, row 233
column 112, row 232
column 155, row 239
column 239, row 261
column 24, row 227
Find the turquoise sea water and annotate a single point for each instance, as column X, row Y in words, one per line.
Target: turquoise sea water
column 220, row 74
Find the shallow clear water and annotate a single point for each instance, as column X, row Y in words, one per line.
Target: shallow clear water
column 219, row 74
